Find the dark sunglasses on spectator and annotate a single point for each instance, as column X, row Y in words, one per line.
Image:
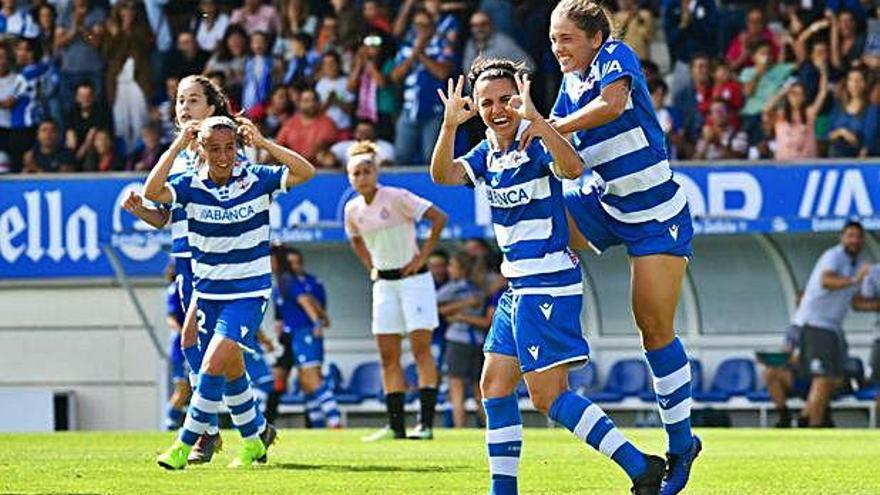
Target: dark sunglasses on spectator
column 373, row 40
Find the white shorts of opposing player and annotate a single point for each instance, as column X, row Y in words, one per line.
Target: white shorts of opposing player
column 402, row 306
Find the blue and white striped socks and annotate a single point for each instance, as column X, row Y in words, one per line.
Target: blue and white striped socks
column 590, row 424
column 504, row 442
column 239, row 398
column 329, row 408
column 173, row 416
column 204, row 405
column 313, row 409
column 672, row 384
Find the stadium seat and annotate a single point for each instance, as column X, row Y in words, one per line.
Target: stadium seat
column 583, row 379
column 696, row 381
column 627, row 378
column 734, row 377
column 333, row 378
column 366, row 383
column 870, row 393
column 522, row 390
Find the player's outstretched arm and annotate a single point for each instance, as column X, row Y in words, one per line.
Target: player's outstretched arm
column 610, row 105
column 155, row 187
column 300, row 170
column 156, row 217
column 457, row 110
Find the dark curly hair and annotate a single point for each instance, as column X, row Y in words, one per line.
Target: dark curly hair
column 488, row 69
column 214, row 95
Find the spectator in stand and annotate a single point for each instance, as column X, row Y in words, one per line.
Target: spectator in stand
column 349, row 24
column 720, row 140
column 369, row 80
column 128, row 49
column 102, row 156
column 332, row 88
column 256, row 16
column 725, row 87
column 296, row 18
column 760, row 82
column 852, row 118
column 210, row 26
column 48, row 155
column 162, row 56
column 163, row 112
column 376, row 17
column 8, row 77
column 308, row 130
column 816, row 56
column 488, row 43
column 275, row 112
column 668, row 117
column 24, row 104
column 17, row 23
column 741, row 52
column 46, row 20
column 84, row 120
column 847, row 39
column 446, row 25
column 229, row 60
column 190, row 58
column 794, row 122
column 636, row 25
column 78, row 42
column 50, row 90
column 690, row 28
column 438, row 265
column 692, row 100
column 328, row 35
column 365, row 130
column 257, row 72
column 460, row 302
column 302, row 61
column 149, row 150
column 422, row 67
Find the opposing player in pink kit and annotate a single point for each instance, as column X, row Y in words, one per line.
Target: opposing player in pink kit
column 381, row 223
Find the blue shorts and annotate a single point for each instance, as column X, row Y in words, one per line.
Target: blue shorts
column 542, row 331
column 184, row 280
column 175, row 357
column 672, row 237
column 257, row 370
column 306, row 349
column 238, row 320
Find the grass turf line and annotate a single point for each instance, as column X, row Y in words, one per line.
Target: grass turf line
column 737, row 461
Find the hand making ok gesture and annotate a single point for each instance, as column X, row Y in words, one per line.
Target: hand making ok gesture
column 458, row 109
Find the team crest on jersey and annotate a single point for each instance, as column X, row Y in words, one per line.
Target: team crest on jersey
column 385, row 214
column 506, row 161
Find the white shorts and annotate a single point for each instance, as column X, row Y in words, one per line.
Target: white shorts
column 401, row 306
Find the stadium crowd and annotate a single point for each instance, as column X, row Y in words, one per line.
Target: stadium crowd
column 85, row 85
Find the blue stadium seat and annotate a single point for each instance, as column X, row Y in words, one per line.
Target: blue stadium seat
column 583, row 379
column 333, row 378
column 627, row 378
column 696, row 381
column 366, row 383
column 870, row 393
column 734, row 377
column 522, row 390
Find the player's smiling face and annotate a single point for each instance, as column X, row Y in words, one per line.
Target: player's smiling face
column 218, row 150
column 573, row 48
column 493, row 102
column 191, row 104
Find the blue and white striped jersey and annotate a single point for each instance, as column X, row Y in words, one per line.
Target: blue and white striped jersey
column 528, row 214
column 27, row 111
column 229, row 229
column 186, row 162
column 627, row 155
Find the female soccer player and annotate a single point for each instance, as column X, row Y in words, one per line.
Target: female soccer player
column 632, row 200
column 227, row 207
column 381, row 223
column 536, row 329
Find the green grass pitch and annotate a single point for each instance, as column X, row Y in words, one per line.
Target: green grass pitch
column 317, row 462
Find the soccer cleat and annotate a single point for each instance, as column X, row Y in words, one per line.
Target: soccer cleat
column 268, row 437
column 175, row 457
column 649, row 482
column 421, row 432
column 205, row 448
column 678, row 468
column 251, row 451
column 384, row 433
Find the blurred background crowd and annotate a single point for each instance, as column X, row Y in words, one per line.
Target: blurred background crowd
column 89, row 85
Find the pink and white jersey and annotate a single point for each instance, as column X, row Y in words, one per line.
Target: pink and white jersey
column 387, row 225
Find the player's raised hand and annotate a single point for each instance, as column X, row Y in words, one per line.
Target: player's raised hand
column 133, row 202
column 249, row 133
column 457, row 109
column 187, row 135
column 522, row 103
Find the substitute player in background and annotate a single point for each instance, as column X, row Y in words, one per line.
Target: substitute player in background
column 381, row 223
column 632, row 200
column 300, row 309
column 536, row 332
column 227, row 205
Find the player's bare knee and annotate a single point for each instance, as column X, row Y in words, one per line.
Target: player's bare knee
column 543, row 399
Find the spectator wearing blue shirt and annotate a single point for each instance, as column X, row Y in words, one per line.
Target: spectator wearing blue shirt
column 854, row 119
column 257, row 72
column 690, row 28
column 80, row 57
column 17, row 22
column 26, row 112
column 422, row 67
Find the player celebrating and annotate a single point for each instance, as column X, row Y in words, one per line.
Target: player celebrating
column 227, row 205
column 300, row 302
column 535, row 331
column 632, row 200
column 381, row 223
